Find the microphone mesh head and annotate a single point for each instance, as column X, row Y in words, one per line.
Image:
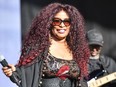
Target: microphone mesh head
column 1, row 57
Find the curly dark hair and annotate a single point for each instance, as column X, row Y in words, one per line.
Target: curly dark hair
column 37, row 40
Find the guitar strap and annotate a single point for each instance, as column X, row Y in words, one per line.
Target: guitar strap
column 97, row 68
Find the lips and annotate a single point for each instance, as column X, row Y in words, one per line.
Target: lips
column 61, row 30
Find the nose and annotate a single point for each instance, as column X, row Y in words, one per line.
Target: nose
column 62, row 24
column 94, row 49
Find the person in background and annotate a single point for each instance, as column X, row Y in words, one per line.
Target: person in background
column 99, row 65
column 55, row 51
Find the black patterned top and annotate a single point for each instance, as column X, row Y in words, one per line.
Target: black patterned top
column 55, row 67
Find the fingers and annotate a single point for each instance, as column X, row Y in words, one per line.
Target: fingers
column 13, row 68
column 8, row 70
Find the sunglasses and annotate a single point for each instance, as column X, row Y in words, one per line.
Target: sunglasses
column 57, row 22
column 97, row 47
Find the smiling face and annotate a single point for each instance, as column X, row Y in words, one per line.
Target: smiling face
column 95, row 50
column 61, row 25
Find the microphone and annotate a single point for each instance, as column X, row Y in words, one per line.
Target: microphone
column 4, row 63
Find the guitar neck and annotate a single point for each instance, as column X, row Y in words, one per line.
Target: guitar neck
column 103, row 80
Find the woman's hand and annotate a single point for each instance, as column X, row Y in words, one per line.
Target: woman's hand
column 9, row 70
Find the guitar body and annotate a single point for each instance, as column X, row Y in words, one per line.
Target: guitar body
column 103, row 63
column 101, row 81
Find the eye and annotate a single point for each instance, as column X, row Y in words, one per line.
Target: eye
column 56, row 21
column 67, row 22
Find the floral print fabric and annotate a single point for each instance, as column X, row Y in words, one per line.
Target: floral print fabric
column 55, row 67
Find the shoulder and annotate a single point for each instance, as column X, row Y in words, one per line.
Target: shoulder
column 108, row 63
column 105, row 58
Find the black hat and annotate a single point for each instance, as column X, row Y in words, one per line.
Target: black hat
column 95, row 37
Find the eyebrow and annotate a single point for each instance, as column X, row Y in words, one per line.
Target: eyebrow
column 60, row 18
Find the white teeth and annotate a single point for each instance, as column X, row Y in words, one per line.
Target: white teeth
column 61, row 31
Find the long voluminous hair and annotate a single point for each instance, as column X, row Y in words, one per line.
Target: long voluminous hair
column 37, row 40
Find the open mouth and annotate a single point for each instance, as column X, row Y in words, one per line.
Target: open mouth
column 61, row 30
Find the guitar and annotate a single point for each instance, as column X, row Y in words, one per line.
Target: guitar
column 101, row 81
